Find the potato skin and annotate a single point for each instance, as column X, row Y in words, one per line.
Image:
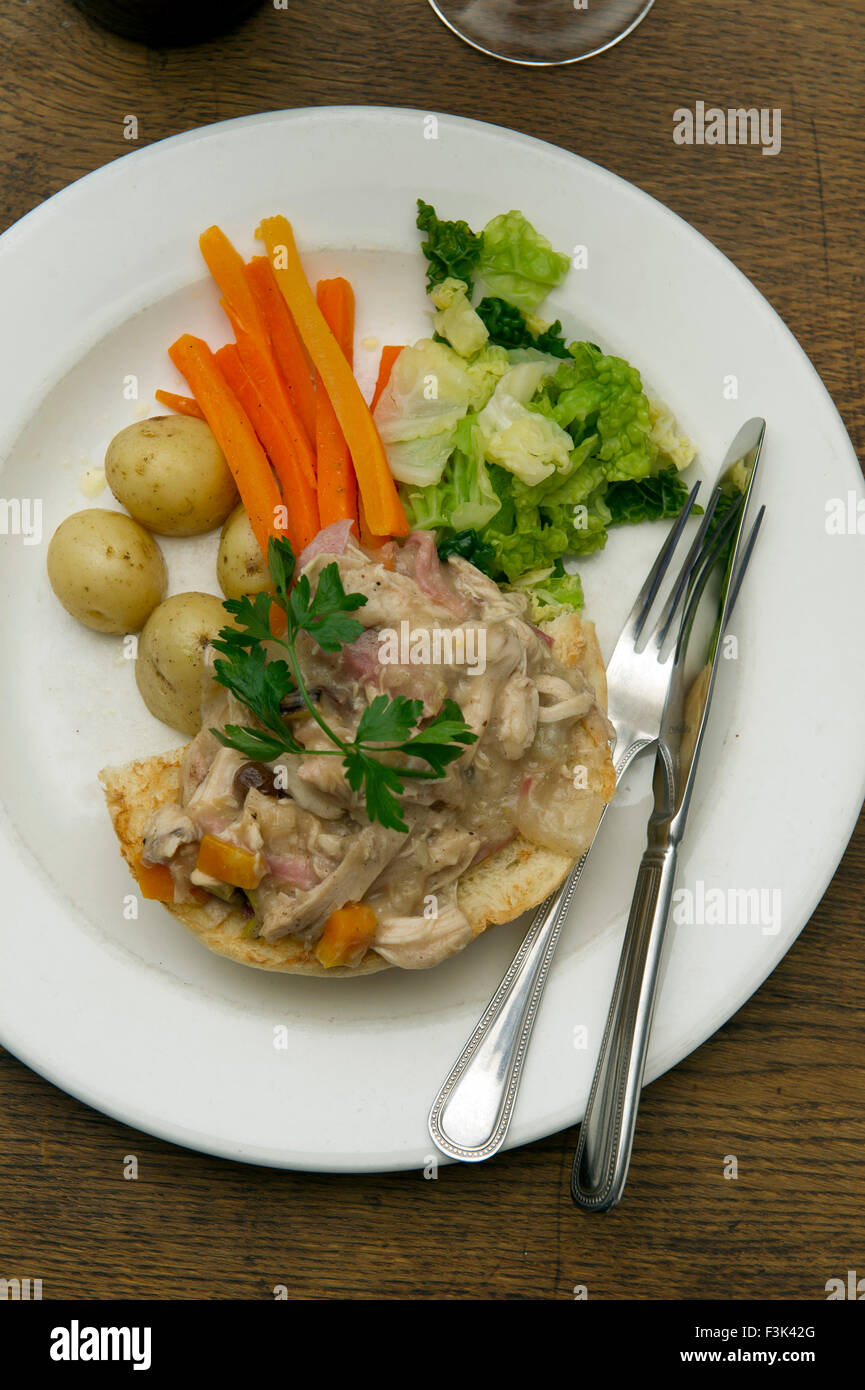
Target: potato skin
column 168, row 670
column 240, row 565
column 171, row 475
column 106, row 570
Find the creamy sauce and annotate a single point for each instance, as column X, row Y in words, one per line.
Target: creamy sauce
column 539, row 767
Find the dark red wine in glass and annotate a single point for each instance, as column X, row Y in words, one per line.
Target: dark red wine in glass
column 167, row 23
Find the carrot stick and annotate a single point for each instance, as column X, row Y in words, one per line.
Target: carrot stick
column 337, row 484
column 234, row 435
column 299, row 497
column 383, row 507
column 335, row 299
column 285, row 339
column 184, row 405
column 386, row 365
column 268, row 382
column 226, row 266
column 388, row 357
column 366, row 537
column 240, row 304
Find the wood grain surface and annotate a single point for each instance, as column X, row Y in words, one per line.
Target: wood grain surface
column 780, row 1086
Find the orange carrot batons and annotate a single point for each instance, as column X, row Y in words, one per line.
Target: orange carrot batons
column 337, row 483
column 270, row 386
column 386, row 365
column 240, row 304
column 227, row 268
column 388, row 358
column 301, row 505
column 235, row 435
column 183, row 405
column 367, row 538
column 382, row 504
column 285, row 340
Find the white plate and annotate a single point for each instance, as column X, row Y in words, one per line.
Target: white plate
column 137, row 1019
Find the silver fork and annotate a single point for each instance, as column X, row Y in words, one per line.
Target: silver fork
column 471, row 1114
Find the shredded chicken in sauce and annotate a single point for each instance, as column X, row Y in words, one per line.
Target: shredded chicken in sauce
column 535, row 770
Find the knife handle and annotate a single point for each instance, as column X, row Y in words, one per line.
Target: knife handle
column 607, row 1132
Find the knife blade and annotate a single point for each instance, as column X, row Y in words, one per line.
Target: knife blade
column 686, row 710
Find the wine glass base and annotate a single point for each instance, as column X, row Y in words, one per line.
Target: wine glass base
column 541, row 33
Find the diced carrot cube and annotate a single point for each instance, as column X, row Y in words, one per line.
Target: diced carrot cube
column 155, row 881
column 347, row 936
column 229, row 863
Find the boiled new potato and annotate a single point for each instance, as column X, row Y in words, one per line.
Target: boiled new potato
column 106, row 570
column 240, row 565
column 168, row 670
column 171, row 475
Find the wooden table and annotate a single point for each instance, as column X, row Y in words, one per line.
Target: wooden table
column 781, row 1085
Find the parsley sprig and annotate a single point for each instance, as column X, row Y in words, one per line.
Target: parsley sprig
column 387, row 726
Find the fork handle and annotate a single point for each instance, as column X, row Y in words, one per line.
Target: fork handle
column 472, row 1112
column 607, row 1132
column 471, row 1115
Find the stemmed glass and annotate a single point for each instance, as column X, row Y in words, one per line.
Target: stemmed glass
column 542, row 33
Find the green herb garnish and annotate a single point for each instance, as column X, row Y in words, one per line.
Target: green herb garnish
column 387, row 726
